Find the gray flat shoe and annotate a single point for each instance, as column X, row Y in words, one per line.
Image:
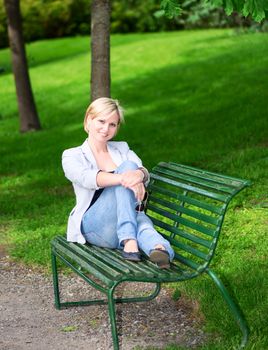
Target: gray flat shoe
column 160, row 257
column 136, row 256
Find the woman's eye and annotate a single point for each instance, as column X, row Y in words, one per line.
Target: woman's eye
column 101, row 121
column 113, row 125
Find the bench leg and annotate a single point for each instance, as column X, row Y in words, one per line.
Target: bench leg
column 112, row 315
column 55, row 280
column 233, row 308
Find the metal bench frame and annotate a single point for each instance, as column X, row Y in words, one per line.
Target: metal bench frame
column 187, row 206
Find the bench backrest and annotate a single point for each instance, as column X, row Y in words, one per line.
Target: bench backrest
column 187, row 206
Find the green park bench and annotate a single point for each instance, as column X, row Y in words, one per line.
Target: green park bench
column 187, row 206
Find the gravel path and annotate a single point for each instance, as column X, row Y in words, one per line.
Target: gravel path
column 29, row 320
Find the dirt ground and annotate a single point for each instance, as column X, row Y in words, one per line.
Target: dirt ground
column 29, row 320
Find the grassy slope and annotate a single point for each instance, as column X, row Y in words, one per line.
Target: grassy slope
column 198, row 98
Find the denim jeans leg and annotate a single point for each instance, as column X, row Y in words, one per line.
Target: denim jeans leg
column 112, row 218
column 148, row 237
column 126, row 203
column 99, row 221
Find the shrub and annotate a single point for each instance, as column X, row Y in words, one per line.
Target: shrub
column 59, row 18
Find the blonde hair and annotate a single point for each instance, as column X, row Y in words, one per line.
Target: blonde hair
column 103, row 106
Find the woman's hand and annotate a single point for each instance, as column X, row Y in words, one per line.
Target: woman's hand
column 139, row 191
column 132, row 178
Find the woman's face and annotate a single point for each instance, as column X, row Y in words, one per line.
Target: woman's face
column 104, row 127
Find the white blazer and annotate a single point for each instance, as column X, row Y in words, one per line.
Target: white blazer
column 81, row 169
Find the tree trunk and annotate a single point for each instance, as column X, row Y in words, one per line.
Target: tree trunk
column 26, row 105
column 100, row 49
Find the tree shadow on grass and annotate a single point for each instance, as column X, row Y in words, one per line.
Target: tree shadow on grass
column 196, row 107
column 193, row 110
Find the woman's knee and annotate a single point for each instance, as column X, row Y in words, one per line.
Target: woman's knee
column 127, row 165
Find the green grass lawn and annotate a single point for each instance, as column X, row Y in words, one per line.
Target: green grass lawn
column 196, row 97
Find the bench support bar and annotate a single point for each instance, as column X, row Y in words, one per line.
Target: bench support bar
column 233, row 308
column 106, row 301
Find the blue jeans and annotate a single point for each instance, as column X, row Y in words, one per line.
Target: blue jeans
column 113, row 219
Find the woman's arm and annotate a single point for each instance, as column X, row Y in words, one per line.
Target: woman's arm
column 77, row 172
column 108, row 179
column 86, row 176
column 127, row 179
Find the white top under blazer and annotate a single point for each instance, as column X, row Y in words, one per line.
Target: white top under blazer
column 81, row 169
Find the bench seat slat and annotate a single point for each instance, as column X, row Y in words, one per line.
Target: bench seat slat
column 145, row 270
column 181, row 220
column 138, row 269
column 213, row 195
column 134, row 268
column 193, row 179
column 167, row 273
column 93, row 259
column 84, row 264
column 187, row 199
column 180, row 209
column 108, row 262
column 114, row 256
column 99, row 265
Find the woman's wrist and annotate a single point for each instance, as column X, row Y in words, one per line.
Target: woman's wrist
column 145, row 174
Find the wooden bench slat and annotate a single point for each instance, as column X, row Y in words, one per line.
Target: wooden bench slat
column 100, row 266
column 109, row 271
column 193, row 179
column 178, row 232
column 135, row 268
column 217, row 178
column 181, row 220
column 190, row 263
column 181, row 209
column 99, row 263
column 148, row 265
column 104, row 268
column 145, row 269
column 105, row 258
column 186, row 199
column 191, row 188
column 84, row 264
column 188, row 249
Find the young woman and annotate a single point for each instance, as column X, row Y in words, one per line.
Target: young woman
column 109, row 183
